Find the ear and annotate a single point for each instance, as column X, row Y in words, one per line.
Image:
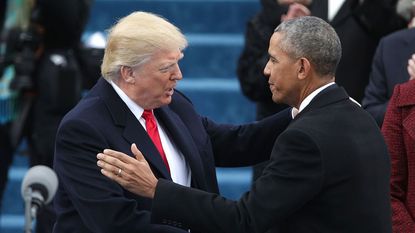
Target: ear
column 127, row 74
column 304, row 68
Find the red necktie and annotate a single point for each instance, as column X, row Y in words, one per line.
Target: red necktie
column 152, row 130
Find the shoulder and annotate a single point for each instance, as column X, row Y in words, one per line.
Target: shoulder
column 398, row 36
column 89, row 111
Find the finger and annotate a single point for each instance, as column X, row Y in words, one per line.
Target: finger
column 114, row 177
column 300, row 10
column 109, row 160
column 118, row 155
column 285, row 2
column 108, row 166
column 138, row 155
column 304, row 2
column 411, row 70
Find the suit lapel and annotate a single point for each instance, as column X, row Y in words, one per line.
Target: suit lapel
column 133, row 132
column 179, row 134
column 344, row 12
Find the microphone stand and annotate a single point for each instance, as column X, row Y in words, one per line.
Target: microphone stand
column 30, row 211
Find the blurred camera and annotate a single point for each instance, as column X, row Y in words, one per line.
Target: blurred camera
column 20, row 50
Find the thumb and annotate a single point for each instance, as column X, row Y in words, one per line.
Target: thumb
column 138, row 155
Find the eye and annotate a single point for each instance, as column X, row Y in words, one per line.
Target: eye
column 166, row 69
column 272, row 60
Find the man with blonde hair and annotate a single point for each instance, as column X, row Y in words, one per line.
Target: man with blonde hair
column 136, row 102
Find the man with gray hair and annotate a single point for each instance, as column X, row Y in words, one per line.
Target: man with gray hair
column 328, row 171
column 136, row 102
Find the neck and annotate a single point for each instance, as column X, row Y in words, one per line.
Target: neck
column 311, row 86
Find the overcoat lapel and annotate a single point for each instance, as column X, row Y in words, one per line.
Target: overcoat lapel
column 133, row 131
column 179, row 134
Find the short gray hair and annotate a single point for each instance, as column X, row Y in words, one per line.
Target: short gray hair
column 133, row 40
column 404, row 9
column 314, row 39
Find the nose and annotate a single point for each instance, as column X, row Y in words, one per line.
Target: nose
column 267, row 70
column 177, row 74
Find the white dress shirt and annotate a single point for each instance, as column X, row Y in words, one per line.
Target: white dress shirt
column 179, row 168
column 310, row 97
column 334, row 7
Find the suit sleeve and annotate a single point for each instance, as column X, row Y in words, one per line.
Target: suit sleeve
column 245, row 145
column 392, row 130
column 376, row 98
column 293, row 177
column 102, row 205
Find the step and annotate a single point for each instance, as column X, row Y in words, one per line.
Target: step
column 191, row 16
column 234, row 182
column 215, row 55
column 219, row 99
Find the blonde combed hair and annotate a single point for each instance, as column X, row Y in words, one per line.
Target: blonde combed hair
column 134, row 38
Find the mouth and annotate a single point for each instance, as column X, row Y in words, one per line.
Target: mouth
column 170, row 91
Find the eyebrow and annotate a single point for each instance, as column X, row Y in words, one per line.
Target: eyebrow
column 270, row 56
column 170, row 62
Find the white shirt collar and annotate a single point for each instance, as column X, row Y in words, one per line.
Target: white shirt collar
column 134, row 108
column 308, row 99
column 334, row 7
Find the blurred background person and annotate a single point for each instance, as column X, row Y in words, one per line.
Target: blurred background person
column 15, row 63
column 359, row 24
column 45, row 78
column 57, row 80
column 254, row 57
column 399, row 131
column 389, row 66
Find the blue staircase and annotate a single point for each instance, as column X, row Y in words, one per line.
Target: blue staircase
column 215, row 31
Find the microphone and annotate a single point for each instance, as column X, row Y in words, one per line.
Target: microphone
column 38, row 188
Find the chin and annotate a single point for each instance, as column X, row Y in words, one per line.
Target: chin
column 275, row 99
column 167, row 100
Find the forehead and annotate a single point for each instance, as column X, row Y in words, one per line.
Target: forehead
column 167, row 55
column 274, row 43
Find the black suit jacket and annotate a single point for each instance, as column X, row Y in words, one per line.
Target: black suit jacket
column 87, row 201
column 329, row 172
column 389, row 68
